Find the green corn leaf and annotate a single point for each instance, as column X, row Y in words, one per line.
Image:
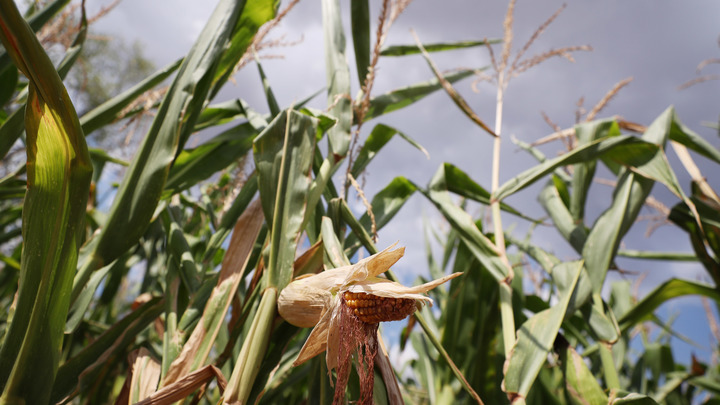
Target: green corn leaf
column 584, row 172
column 12, row 128
column 77, row 310
column 537, row 154
column 385, row 204
column 668, row 290
column 468, row 339
column 8, row 80
column 536, row 336
column 253, row 351
column 685, row 136
column 582, row 386
column 592, row 150
column 343, row 214
column 179, row 251
column 227, row 222
column 141, row 188
column 460, row 183
column 706, row 383
column 83, row 368
column 545, row 259
column 403, row 97
column 283, row 157
column 701, row 239
column 269, row 95
column 606, row 234
column 379, row 136
column 404, row 50
column 219, row 114
column 254, row 15
column 338, row 79
column 58, row 181
column 481, row 246
column 197, row 164
column 109, row 111
column 360, row 26
column 332, row 246
column 574, row 233
column 665, row 256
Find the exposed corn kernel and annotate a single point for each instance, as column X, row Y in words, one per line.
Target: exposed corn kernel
column 374, row 309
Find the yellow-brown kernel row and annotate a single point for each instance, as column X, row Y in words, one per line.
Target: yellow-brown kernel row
column 374, row 309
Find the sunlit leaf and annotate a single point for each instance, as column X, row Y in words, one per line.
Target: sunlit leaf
column 403, row 50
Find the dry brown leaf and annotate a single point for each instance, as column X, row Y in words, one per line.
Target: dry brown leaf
column 145, row 374
column 236, row 258
column 185, row 386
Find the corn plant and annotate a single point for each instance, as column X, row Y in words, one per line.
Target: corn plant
column 232, row 271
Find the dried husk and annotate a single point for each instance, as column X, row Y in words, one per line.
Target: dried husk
column 314, row 300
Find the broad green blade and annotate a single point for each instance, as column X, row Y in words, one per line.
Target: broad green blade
column 269, row 95
column 574, row 233
column 195, row 165
column 58, row 181
column 332, row 246
column 472, row 322
column 219, row 114
column 460, row 183
column 584, row 172
column 179, row 252
column 663, row 293
column 545, row 259
column 403, row 97
column 338, row 79
column 665, row 256
column 404, row 50
column 283, row 157
column 12, row 128
column 254, row 14
column 8, row 81
column 360, row 25
column 537, row 154
column 585, row 153
column 140, row 190
column 607, row 232
column 583, row 388
column 537, row 334
column 380, row 135
column 685, row 136
column 479, row 244
column 253, row 351
column 629, row 196
column 701, row 239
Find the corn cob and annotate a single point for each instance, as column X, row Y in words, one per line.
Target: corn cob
column 374, row 309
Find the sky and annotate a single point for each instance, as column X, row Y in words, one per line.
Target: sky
column 657, row 43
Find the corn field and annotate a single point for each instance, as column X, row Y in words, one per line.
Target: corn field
column 234, row 271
